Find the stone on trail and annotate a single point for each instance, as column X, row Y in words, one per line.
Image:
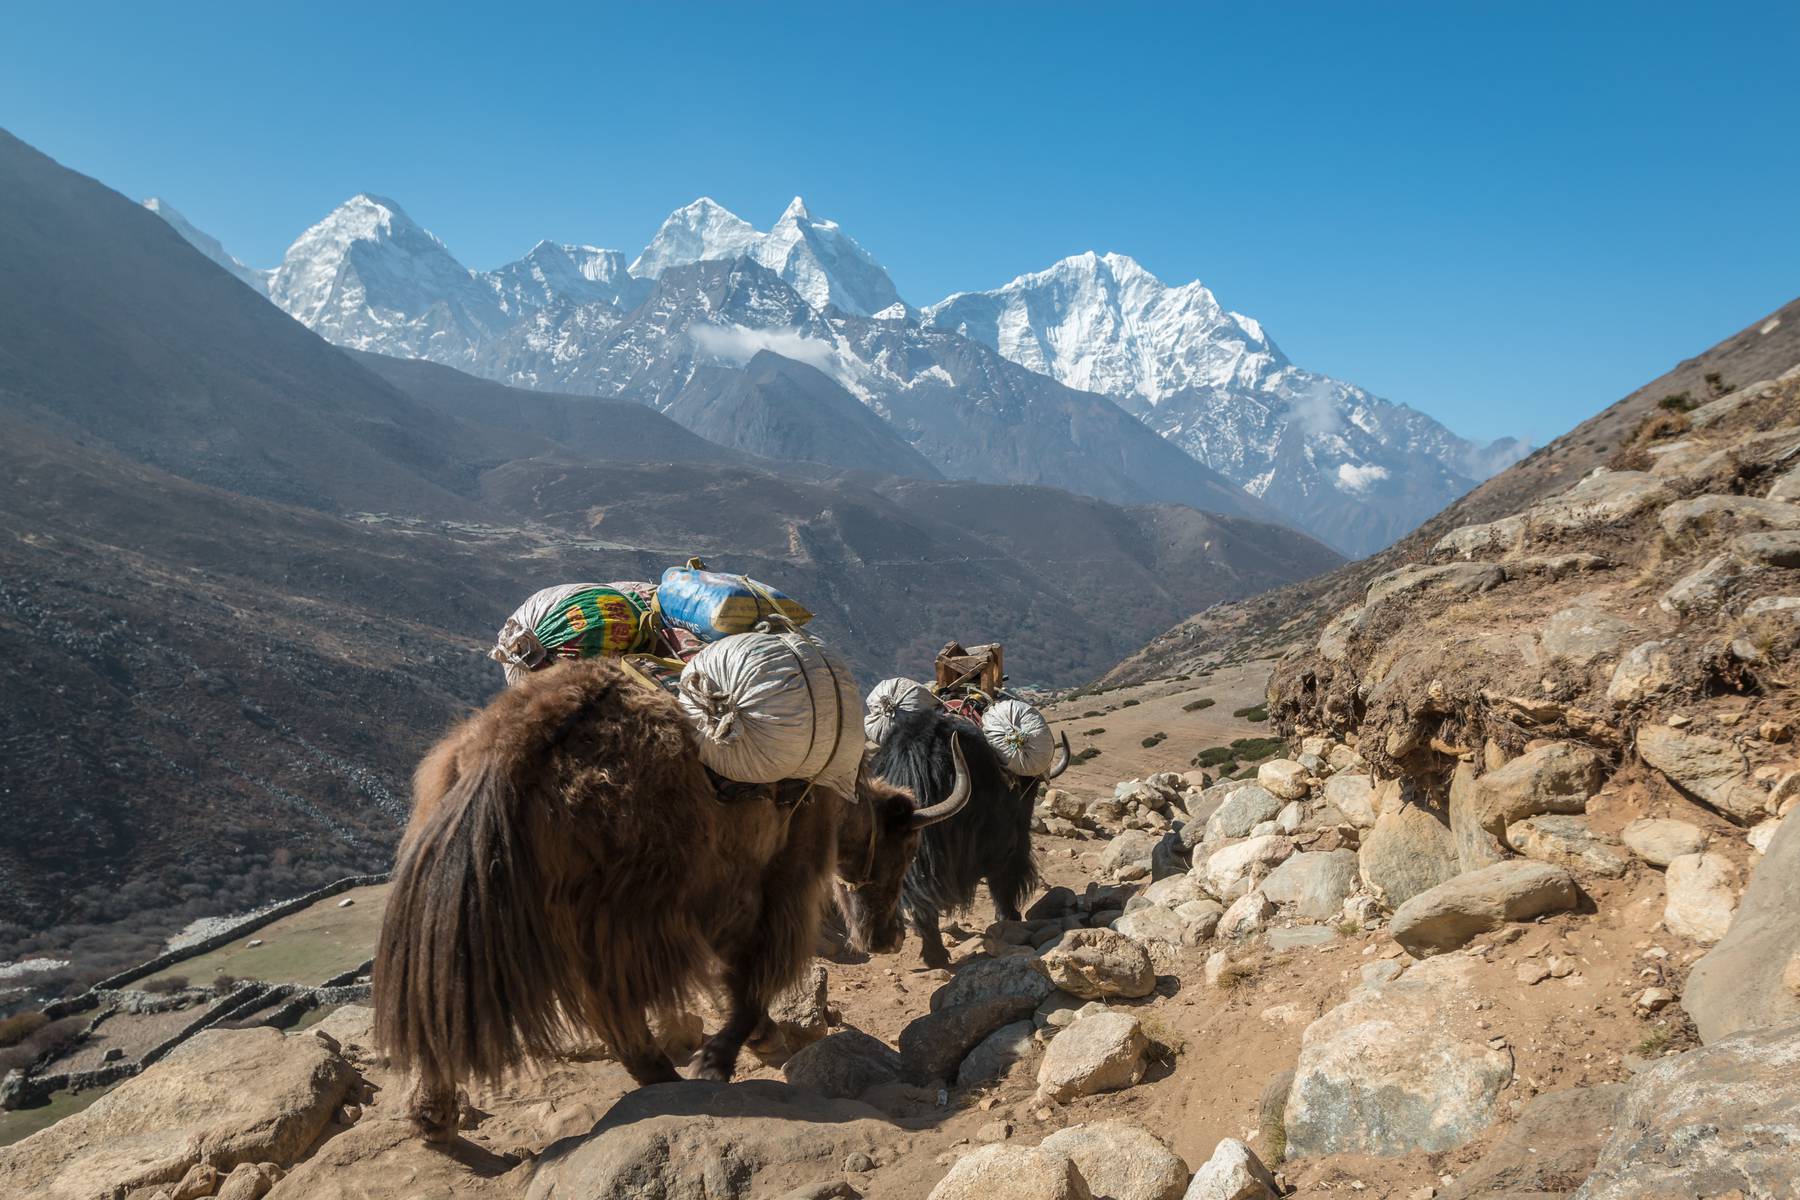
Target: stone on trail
column 1704, row 589
column 1301, row 937
column 1659, row 841
column 1704, row 768
column 1121, row 1161
column 1752, row 977
column 1007, row 1172
column 1100, row 1052
column 796, row 1019
column 844, row 1065
column 1566, row 841
column 1557, row 778
column 1245, row 807
column 931, row 1046
column 1446, row 917
column 1232, row 1173
column 710, row 1141
column 1096, row 963
column 1722, row 1120
column 1313, row 884
column 1476, row 847
column 1646, row 670
column 1177, row 889
column 1153, row 924
column 1200, row 918
column 996, row 1054
column 1552, row 1144
column 989, row 977
column 1397, row 1069
column 152, row 1128
column 1582, row 635
column 1247, row 914
column 1235, row 869
column 1407, row 852
column 249, row 1181
column 1283, row 778
column 1710, row 513
column 1702, row 895
column 1354, row 796
column 1127, row 853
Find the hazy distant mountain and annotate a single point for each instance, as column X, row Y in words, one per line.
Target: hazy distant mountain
column 1353, row 468
column 1284, row 442
column 208, row 245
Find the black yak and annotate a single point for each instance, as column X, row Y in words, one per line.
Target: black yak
column 570, row 865
column 989, row 840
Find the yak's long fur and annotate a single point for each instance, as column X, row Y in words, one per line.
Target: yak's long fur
column 569, row 865
column 989, row 840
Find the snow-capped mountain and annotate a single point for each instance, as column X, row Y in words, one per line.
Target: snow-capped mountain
column 1029, row 383
column 1352, row 467
column 208, row 245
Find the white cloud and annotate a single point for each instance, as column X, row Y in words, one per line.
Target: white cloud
column 1316, row 409
column 1353, row 478
column 735, row 343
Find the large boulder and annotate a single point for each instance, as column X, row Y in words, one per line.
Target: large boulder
column 1445, row 917
column 1569, row 842
column 1582, row 635
column 1097, row 963
column 1235, row 869
column 1722, row 1120
column 1397, row 1069
column 1476, row 846
column 1601, row 498
column 1099, row 1052
column 1752, row 977
column 1354, row 796
column 1702, row 895
column 1722, row 512
column 1407, row 852
column 844, row 1065
column 1121, row 1161
column 1659, row 841
column 996, row 1054
column 1244, row 808
column 230, row 1097
column 1704, row 768
column 1233, row 1173
column 1557, row 778
column 376, row 1157
column 797, row 1019
column 931, row 1046
column 710, row 1141
column 1315, row 884
column 1004, row 1172
column 1551, row 1146
column 989, row 977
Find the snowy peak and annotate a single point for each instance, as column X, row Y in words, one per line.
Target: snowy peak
column 818, row 259
column 553, row 273
column 208, row 245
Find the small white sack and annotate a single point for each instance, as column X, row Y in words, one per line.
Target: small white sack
column 774, row 706
column 891, row 697
column 1020, row 736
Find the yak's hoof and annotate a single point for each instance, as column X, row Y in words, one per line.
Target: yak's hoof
column 936, row 960
column 662, row 1071
column 435, row 1113
column 713, row 1073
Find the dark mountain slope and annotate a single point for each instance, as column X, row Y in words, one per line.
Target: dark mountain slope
column 778, row 408
column 1270, row 623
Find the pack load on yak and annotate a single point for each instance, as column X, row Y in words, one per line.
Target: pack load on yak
column 711, row 604
column 891, row 697
column 970, row 683
column 576, row 620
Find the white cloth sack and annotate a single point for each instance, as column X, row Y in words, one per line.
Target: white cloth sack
column 891, row 697
column 773, row 706
column 1020, row 735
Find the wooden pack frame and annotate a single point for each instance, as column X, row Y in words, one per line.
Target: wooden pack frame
column 981, row 667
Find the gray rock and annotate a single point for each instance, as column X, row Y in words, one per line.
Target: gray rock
column 996, row 1054
column 1008, row 1172
column 1233, row 870
column 1244, row 808
column 1495, row 537
column 1568, row 842
column 707, row 1141
column 1232, row 1173
column 1787, row 487
column 1553, row 1143
column 1055, row 902
column 1300, row 937
column 1247, row 914
column 1170, row 856
column 1460, row 578
column 1313, row 884
column 1702, row 895
column 1647, row 670
column 989, row 977
column 1397, row 1069
column 1704, row 589
column 1713, row 513
column 1200, row 919
column 1476, row 847
column 1602, row 498
column 1557, row 778
column 1283, row 778
column 1659, row 841
column 1723, row 1120
column 1705, row 769
column 1132, row 848
column 1751, row 978
column 1780, row 549
column 1096, row 963
column 1354, row 796
column 1445, row 917
column 1582, row 635
column 1373, row 975
column 931, row 1046
column 844, row 1065
column 1178, row 889
column 1407, row 852
column 797, row 1019
column 1152, row 923
column 1099, row 1053
column 1334, row 639
column 1121, row 1161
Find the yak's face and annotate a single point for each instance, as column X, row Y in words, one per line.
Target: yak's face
column 874, row 854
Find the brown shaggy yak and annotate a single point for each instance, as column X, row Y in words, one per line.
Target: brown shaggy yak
column 570, row 866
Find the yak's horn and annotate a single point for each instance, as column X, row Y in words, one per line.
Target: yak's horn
column 1061, row 762
column 952, row 804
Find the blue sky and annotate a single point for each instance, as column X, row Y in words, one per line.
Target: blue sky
column 1507, row 215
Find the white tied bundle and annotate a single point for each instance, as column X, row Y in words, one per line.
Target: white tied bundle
column 890, row 698
column 774, row 706
column 1021, row 737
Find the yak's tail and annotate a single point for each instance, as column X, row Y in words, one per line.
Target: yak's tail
column 465, row 981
